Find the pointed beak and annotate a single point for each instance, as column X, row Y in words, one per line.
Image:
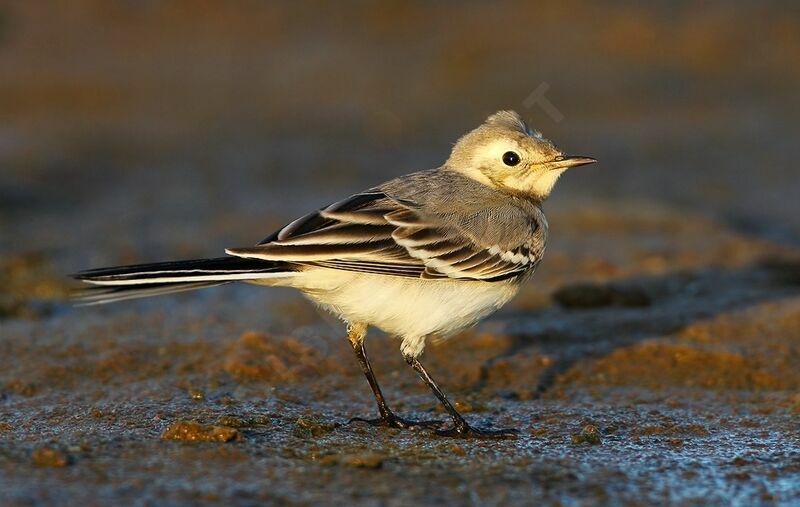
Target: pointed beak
column 567, row 161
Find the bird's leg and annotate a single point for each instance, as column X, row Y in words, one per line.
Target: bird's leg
column 460, row 426
column 356, row 334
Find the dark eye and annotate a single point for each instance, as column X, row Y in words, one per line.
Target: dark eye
column 510, row 158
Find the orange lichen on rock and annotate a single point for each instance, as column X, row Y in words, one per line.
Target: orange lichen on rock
column 258, row 356
column 658, row 364
column 590, row 434
column 49, row 457
column 193, row 431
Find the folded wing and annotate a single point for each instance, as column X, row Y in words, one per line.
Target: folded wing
column 371, row 232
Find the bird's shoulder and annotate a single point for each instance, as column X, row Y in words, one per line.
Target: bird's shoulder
column 429, row 224
column 488, row 216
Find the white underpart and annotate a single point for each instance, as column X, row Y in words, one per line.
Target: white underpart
column 409, row 308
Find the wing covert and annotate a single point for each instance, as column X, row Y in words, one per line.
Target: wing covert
column 374, row 233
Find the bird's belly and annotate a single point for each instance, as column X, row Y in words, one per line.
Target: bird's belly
column 406, row 307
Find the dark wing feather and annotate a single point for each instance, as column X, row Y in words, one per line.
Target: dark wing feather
column 373, row 233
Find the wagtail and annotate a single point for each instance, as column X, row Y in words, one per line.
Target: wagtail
column 423, row 255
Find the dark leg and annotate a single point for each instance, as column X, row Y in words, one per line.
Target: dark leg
column 387, row 418
column 460, row 426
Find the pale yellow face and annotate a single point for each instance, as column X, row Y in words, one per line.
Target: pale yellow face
column 505, row 154
column 514, row 164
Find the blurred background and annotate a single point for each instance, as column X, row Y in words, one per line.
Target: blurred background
column 224, row 119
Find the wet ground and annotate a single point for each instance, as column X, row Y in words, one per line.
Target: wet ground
column 679, row 386
column 653, row 359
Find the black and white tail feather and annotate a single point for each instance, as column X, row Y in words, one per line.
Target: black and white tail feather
column 145, row 280
column 369, row 232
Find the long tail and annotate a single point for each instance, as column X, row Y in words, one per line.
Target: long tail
column 144, row 280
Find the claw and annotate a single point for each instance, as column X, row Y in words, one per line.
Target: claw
column 393, row 421
column 467, row 431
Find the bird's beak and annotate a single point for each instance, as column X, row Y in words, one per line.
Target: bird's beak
column 567, row 161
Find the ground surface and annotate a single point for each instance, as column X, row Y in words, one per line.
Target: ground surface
column 653, row 359
column 689, row 378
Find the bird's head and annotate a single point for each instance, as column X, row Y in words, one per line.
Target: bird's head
column 504, row 153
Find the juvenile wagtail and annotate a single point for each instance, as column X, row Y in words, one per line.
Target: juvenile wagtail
column 427, row 254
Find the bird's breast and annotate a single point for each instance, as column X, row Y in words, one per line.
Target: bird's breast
column 408, row 307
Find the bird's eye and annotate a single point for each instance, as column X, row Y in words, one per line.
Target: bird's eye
column 510, row 158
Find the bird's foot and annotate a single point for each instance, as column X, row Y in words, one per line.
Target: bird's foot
column 393, row 421
column 466, row 431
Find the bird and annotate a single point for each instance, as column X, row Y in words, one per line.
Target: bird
column 420, row 257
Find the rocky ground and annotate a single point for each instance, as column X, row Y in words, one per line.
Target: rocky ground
column 669, row 379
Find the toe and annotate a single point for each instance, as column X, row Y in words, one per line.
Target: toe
column 393, row 421
column 470, row 432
